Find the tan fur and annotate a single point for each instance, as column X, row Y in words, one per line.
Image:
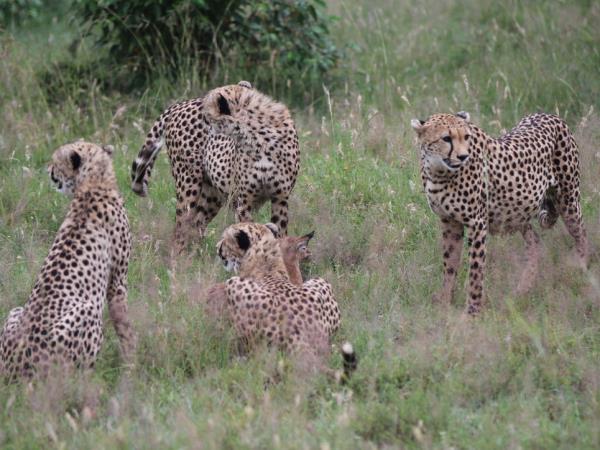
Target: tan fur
column 483, row 184
column 61, row 323
column 294, row 250
column 264, row 304
column 234, row 145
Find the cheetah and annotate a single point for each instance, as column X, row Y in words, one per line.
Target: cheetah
column 264, row 305
column 294, row 250
column 61, row 323
column 498, row 185
column 233, row 142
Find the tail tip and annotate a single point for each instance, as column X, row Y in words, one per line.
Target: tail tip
column 347, row 349
column 350, row 362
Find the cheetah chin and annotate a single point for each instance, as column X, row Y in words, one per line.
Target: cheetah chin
column 445, row 164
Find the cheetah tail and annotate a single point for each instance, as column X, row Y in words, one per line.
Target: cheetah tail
column 142, row 166
column 548, row 214
column 350, row 361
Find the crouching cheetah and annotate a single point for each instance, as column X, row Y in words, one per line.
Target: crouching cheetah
column 234, row 141
column 263, row 304
column 498, row 185
column 61, row 323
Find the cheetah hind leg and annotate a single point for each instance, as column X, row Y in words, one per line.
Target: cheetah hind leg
column 11, row 326
column 532, row 251
column 569, row 197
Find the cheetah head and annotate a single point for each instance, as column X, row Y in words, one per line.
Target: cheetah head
column 444, row 140
column 73, row 163
column 239, row 242
column 225, row 108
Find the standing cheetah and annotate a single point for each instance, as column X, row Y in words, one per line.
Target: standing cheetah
column 498, row 185
column 234, row 141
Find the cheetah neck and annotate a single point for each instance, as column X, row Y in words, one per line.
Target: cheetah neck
column 99, row 175
column 263, row 262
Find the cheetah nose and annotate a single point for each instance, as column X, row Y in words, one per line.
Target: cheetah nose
column 463, row 158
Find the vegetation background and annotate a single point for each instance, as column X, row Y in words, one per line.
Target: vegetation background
column 526, row 374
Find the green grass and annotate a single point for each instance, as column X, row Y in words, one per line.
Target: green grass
column 524, row 375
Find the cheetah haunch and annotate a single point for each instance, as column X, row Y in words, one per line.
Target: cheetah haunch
column 498, row 185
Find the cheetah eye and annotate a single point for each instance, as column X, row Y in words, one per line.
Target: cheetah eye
column 447, row 139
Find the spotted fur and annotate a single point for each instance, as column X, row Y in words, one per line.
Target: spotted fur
column 294, row 250
column 264, row 305
column 498, row 185
column 233, row 142
column 61, row 323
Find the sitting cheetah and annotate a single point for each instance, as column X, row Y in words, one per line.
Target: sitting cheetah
column 498, row 185
column 234, row 141
column 263, row 304
column 61, row 323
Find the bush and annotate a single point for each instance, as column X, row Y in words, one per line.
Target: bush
column 143, row 38
column 18, row 11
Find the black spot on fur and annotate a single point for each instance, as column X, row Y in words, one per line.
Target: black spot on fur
column 243, row 240
column 75, row 160
column 224, row 106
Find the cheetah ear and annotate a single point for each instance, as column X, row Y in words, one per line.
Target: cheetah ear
column 245, row 84
column 274, row 229
column 223, row 106
column 308, row 236
column 304, row 240
column 75, row 160
column 464, row 115
column 243, row 240
column 417, row 125
column 109, row 149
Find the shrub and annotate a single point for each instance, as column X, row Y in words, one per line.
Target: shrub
column 144, row 38
column 18, row 11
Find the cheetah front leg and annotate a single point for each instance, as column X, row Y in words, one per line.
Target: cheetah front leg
column 476, row 236
column 117, row 310
column 532, row 251
column 452, row 244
